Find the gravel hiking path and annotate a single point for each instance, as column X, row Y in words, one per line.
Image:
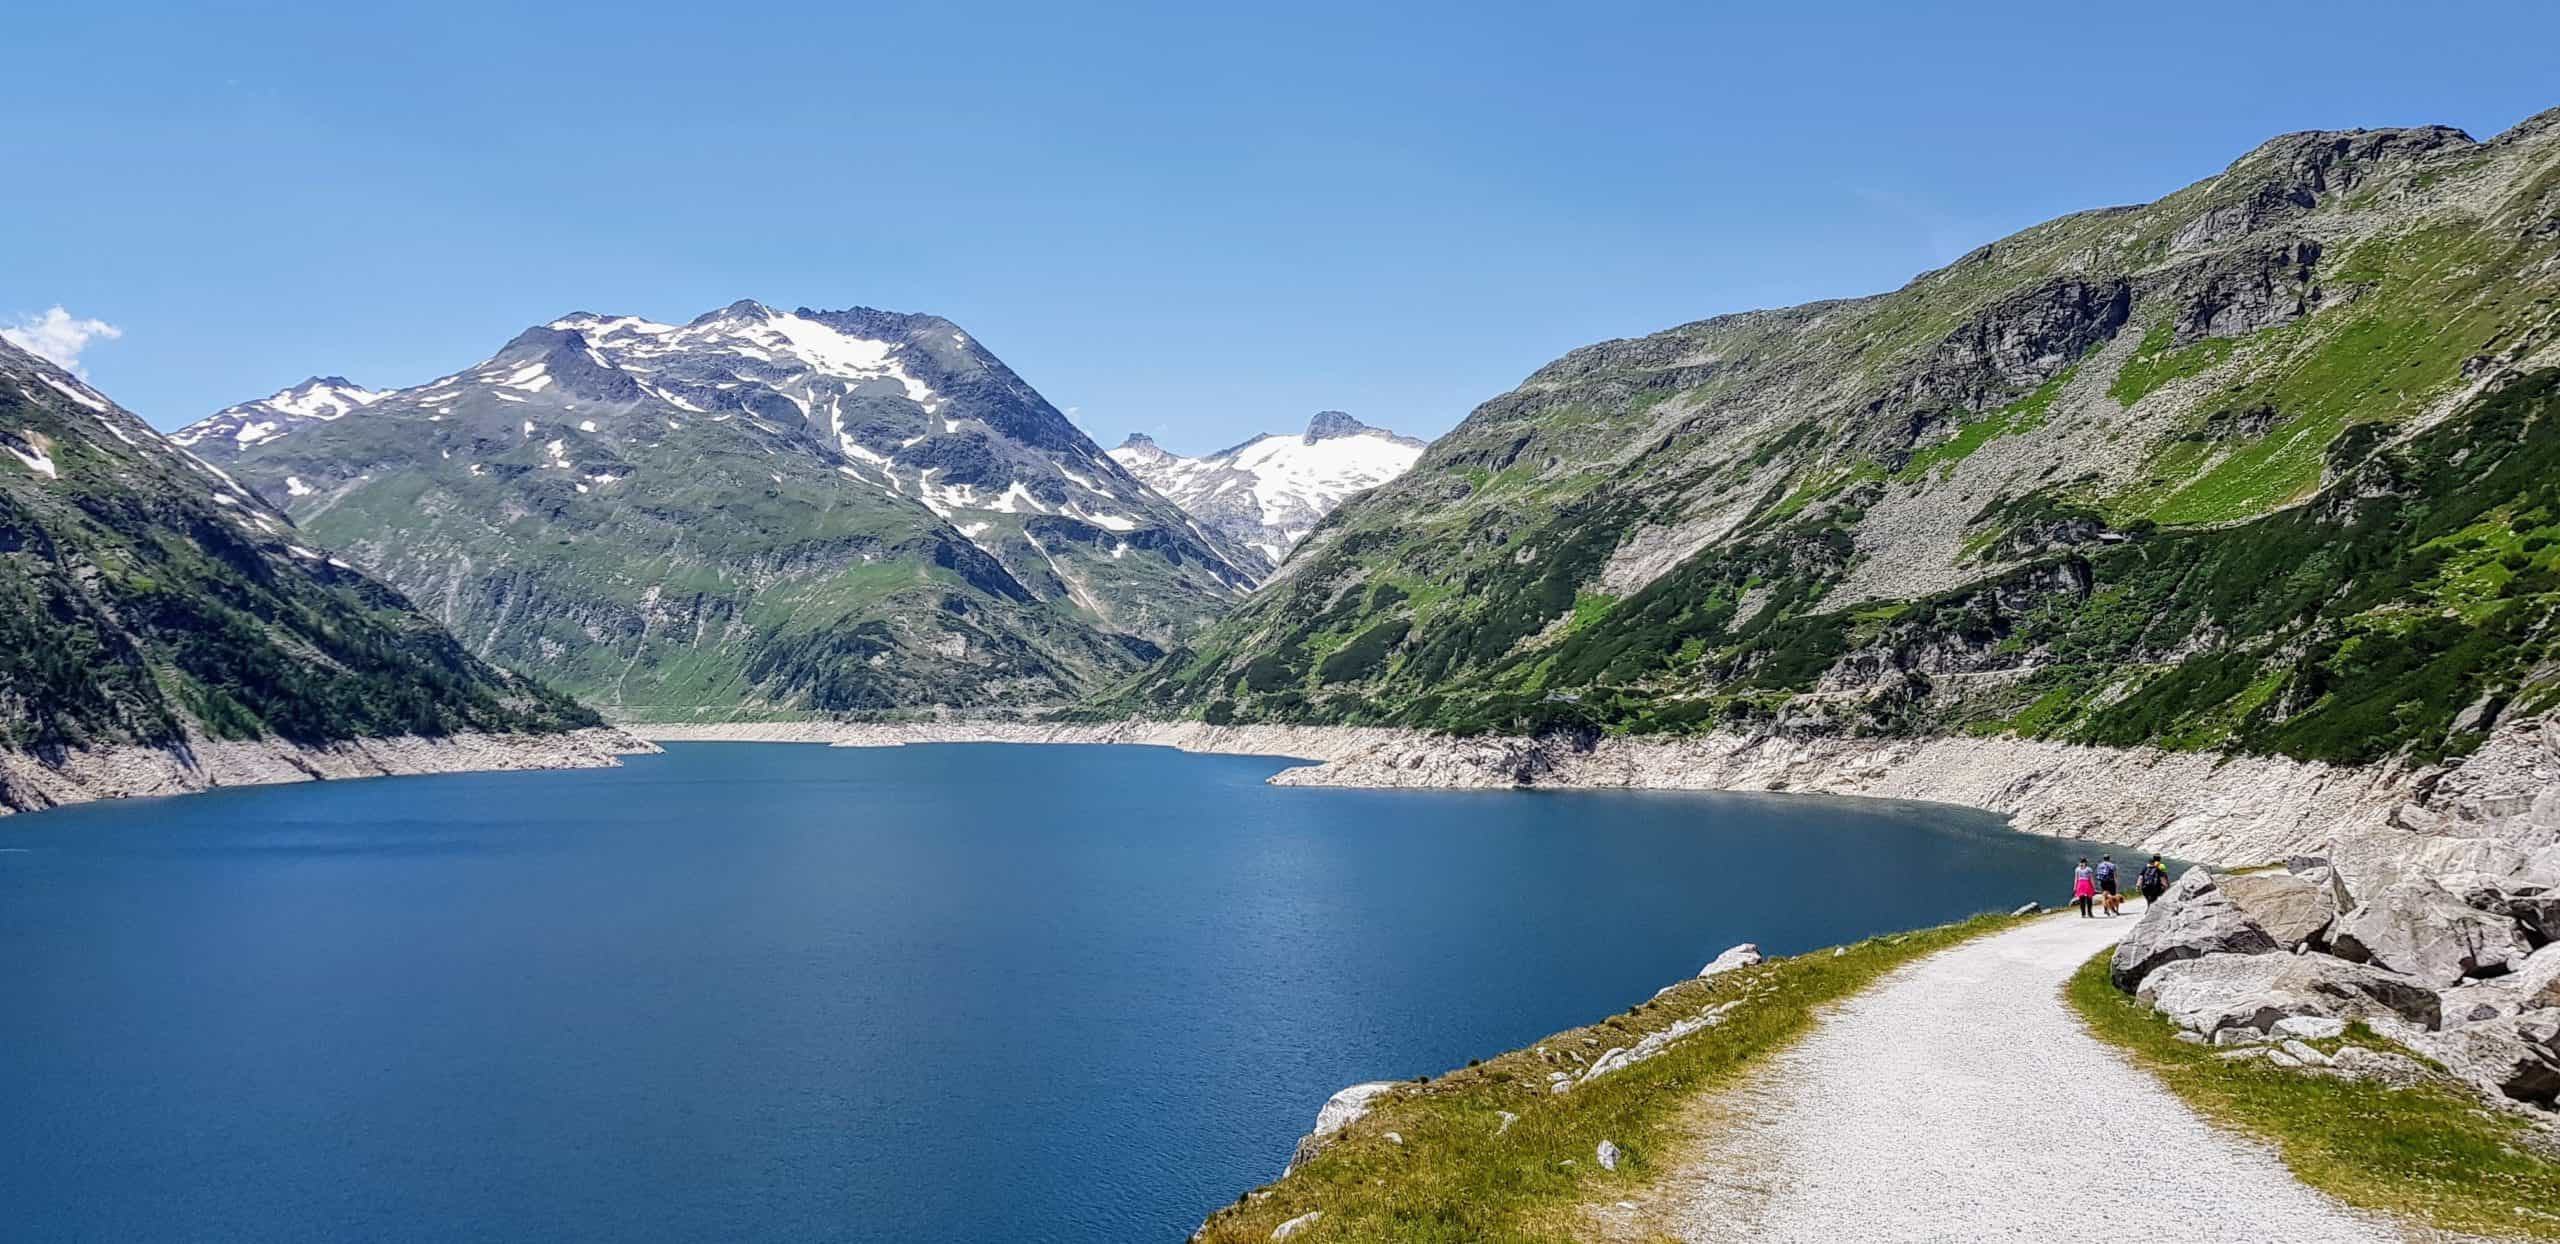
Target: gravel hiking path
column 1960, row 1099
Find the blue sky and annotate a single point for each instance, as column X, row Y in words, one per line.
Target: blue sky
column 1200, row 221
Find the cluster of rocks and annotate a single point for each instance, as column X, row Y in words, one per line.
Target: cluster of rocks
column 2449, row 946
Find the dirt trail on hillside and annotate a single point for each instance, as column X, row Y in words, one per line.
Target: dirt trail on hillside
column 1960, row 1099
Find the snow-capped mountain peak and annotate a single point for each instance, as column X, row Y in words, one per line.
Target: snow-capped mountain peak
column 775, row 446
column 1269, row 492
column 319, row 398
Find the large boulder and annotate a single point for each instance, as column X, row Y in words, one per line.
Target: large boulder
column 1338, row 1112
column 2373, row 859
column 2192, row 920
column 2220, row 993
column 2535, row 984
column 2216, row 992
column 2421, row 929
column 2294, row 909
column 2344, row 990
column 2518, row 1056
column 2534, row 907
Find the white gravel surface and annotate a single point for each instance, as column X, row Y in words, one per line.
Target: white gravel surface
column 1960, row 1099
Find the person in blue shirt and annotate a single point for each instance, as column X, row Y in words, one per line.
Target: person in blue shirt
column 2107, row 893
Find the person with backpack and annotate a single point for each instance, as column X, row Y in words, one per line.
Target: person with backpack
column 2084, row 887
column 2108, row 897
column 2153, row 881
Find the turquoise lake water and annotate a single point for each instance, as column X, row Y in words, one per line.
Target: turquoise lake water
column 973, row 992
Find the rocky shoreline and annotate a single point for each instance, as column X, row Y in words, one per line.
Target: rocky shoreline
column 31, row 782
column 2191, row 805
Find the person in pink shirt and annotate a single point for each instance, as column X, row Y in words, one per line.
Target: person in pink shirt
column 2084, row 887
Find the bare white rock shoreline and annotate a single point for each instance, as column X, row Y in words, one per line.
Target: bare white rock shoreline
column 30, row 781
column 2193, row 805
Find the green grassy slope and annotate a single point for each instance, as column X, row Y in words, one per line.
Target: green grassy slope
column 2102, row 480
column 144, row 598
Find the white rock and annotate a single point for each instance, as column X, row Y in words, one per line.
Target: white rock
column 2304, row 1054
column 1338, row 1112
column 1296, row 1225
column 1348, row 1106
column 1742, row 956
column 2310, row 1027
column 2420, row 928
column 2217, row 992
column 1608, row 1155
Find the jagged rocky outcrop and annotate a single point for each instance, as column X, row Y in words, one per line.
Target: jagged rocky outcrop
column 1266, row 494
column 852, row 510
column 162, row 629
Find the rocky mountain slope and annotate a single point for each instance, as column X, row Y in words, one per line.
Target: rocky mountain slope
column 2265, row 466
column 1269, row 492
column 811, row 511
column 152, row 610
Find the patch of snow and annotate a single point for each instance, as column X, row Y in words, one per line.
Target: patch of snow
column 322, row 401
column 90, row 400
column 34, row 456
column 294, row 487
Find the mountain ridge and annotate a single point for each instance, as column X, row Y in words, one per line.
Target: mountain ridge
column 789, row 511
column 1914, row 512
column 163, row 620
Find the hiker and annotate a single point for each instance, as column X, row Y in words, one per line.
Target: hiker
column 2107, row 895
column 2084, row 887
column 2154, row 881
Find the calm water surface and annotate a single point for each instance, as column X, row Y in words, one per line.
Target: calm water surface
column 972, row 992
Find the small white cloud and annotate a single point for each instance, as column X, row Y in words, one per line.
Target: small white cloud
column 59, row 336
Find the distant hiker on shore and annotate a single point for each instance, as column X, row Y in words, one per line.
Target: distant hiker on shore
column 2084, row 887
column 2154, row 880
column 2107, row 894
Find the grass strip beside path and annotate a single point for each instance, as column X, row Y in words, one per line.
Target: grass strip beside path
column 1459, row 1175
column 2429, row 1154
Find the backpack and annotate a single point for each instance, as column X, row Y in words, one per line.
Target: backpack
column 2106, row 870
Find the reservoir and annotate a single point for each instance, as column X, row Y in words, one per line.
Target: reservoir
column 965, row 991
